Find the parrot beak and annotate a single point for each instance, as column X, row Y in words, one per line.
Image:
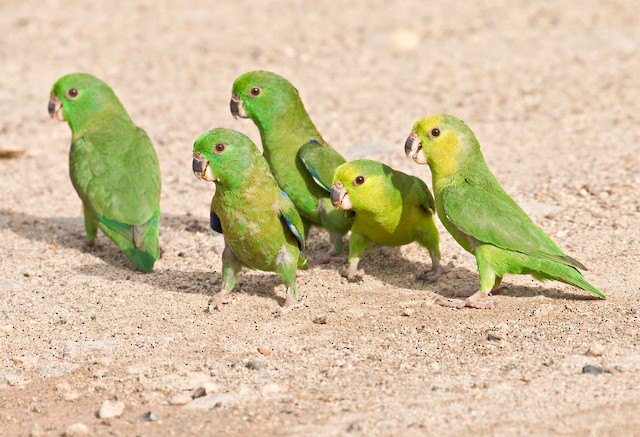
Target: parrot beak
column 340, row 197
column 201, row 168
column 413, row 147
column 55, row 108
column 237, row 107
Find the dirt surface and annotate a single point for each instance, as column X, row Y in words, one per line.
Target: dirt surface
column 552, row 91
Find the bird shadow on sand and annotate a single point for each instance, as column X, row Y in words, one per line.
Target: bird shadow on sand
column 384, row 263
column 193, row 281
column 388, row 265
column 67, row 232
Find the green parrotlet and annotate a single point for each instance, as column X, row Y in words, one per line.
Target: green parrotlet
column 391, row 208
column 113, row 167
column 261, row 227
column 481, row 216
column 301, row 161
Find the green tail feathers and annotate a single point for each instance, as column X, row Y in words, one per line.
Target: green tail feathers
column 568, row 275
column 143, row 256
column 143, row 260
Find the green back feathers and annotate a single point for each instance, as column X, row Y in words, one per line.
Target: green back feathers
column 113, row 166
column 472, row 198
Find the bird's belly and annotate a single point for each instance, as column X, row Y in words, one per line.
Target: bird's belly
column 255, row 239
column 389, row 235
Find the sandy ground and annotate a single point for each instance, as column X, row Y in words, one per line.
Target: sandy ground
column 553, row 92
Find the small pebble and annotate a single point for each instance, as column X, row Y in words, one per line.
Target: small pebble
column 493, row 336
column 593, row 370
column 199, row 393
column 111, row 409
column 320, row 320
column 180, row 399
column 77, row 429
column 255, row 364
column 264, row 351
column 148, row 417
column 595, row 350
column 408, row 312
column 71, row 396
column 209, row 402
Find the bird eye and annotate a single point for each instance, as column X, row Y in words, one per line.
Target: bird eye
column 72, row 93
column 220, row 148
column 359, row 180
column 255, row 91
column 435, row 132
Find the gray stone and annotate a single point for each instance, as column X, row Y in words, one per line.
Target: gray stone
column 77, row 429
column 255, row 364
column 593, row 370
column 111, row 409
column 209, row 402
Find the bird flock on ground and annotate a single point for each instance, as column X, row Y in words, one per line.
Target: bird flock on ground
column 265, row 203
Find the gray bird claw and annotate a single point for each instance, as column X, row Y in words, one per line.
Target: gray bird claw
column 288, row 306
column 216, row 302
column 434, row 273
column 352, row 277
column 89, row 246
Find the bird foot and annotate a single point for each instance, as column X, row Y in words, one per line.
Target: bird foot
column 289, row 305
column 353, row 276
column 477, row 301
column 89, row 245
column 216, row 302
column 434, row 273
column 160, row 249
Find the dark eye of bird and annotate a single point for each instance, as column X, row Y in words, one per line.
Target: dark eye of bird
column 255, row 91
column 359, row 180
column 435, row 132
column 220, row 147
column 72, row 92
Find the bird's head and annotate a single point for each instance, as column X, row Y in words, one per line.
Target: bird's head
column 224, row 156
column 262, row 96
column 78, row 97
column 360, row 185
column 441, row 141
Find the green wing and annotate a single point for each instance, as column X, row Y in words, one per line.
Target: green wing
column 291, row 218
column 489, row 215
column 116, row 174
column 320, row 160
column 425, row 198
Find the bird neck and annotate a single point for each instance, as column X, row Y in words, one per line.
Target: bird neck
column 113, row 118
column 467, row 160
column 291, row 128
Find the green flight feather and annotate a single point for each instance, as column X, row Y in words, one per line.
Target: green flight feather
column 292, row 219
column 321, row 161
column 489, row 215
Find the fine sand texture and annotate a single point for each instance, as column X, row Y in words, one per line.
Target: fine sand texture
column 90, row 346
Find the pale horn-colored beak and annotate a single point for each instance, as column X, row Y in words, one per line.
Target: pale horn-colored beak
column 413, row 148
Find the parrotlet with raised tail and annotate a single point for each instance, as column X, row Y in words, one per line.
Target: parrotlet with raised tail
column 481, row 216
